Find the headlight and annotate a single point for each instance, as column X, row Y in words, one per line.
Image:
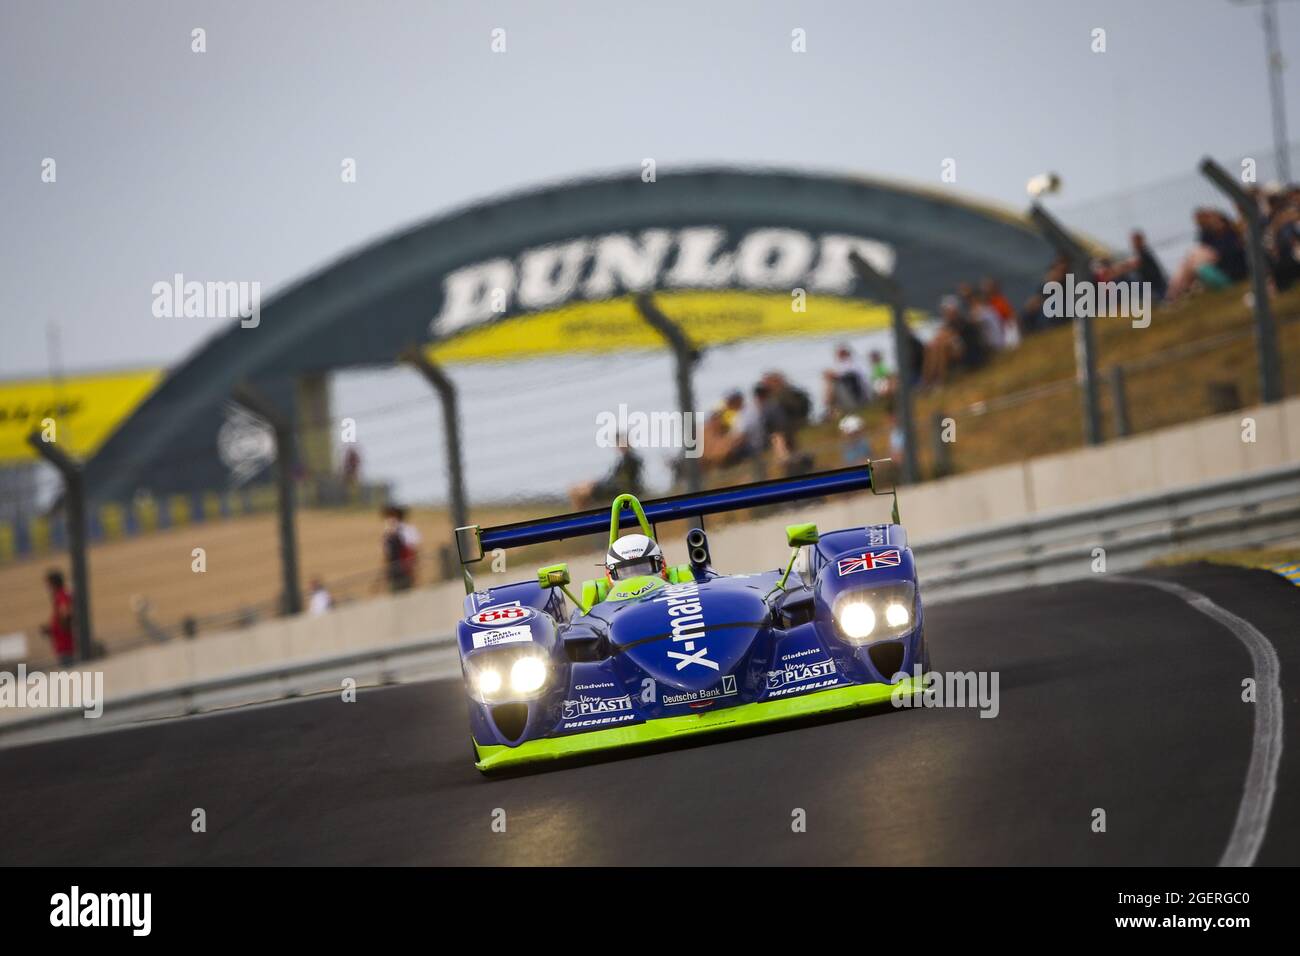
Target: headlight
column 896, row 615
column 527, row 675
column 857, row 619
column 489, row 681
column 867, row 615
column 504, row 676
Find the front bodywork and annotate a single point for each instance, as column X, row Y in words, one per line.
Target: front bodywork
column 497, row 756
column 705, row 653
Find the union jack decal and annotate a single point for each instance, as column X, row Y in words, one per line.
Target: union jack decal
column 869, row 561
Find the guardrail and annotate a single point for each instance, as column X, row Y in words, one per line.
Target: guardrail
column 1242, row 512
column 397, row 663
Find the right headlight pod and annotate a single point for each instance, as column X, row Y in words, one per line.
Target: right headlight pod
column 866, row 615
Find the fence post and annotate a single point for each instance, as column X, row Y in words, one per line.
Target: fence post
column 245, row 395
column 1085, row 342
column 685, row 355
column 886, row 288
column 446, row 389
column 74, row 503
column 942, row 453
column 1270, row 364
column 1119, row 400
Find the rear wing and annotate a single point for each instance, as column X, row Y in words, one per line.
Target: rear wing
column 473, row 542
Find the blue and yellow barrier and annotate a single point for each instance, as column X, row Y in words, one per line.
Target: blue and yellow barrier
column 39, row 536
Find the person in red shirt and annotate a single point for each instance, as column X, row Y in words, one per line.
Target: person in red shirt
column 1006, row 314
column 59, row 630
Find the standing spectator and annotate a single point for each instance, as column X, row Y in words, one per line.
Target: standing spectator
column 398, row 563
column 59, row 630
column 351, row 470
column 321, row 601
column 411, row 541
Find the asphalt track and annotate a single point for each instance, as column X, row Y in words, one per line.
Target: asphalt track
column 1117, row 696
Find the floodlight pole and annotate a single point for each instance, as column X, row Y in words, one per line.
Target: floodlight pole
column 685, row 355
column 1270, row 364
column 1085, row 340
column 1275, row 65
column 286, row 503
column 74, row 502
column 442, row 384
column 887, row 288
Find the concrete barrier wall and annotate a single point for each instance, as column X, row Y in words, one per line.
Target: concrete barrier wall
column 1200, row 451
column 353, row 627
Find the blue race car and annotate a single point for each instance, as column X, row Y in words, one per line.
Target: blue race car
column 652, row 652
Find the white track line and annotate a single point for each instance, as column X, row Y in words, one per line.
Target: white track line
column 1266, row 747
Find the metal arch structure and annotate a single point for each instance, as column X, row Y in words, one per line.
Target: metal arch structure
column 369, row 306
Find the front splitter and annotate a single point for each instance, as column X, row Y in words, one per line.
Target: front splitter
column 496, row 757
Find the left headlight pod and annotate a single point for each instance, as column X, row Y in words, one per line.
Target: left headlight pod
column 503, row 676
column 865, row 615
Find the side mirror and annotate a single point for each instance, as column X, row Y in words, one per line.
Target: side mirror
column 553, row 576
column 799, row 535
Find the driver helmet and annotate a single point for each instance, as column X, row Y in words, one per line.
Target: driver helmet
column 632, row 556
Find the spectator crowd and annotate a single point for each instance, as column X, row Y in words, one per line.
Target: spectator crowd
column 761, row 425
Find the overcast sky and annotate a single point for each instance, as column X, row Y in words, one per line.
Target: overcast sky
column 225, row 165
